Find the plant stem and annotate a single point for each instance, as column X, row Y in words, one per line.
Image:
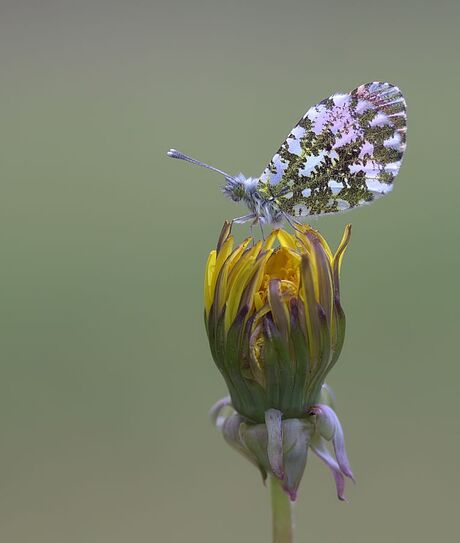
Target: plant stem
column 282, row 517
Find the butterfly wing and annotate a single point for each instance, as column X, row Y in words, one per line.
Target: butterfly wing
column 344, row 152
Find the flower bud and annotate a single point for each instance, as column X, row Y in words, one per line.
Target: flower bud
column 276, row 328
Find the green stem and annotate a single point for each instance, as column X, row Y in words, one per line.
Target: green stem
column 282, row 517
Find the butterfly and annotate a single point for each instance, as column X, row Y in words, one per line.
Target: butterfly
column 344, row 152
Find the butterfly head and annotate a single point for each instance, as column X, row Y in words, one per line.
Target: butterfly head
column 245, row 189
column 239, row 187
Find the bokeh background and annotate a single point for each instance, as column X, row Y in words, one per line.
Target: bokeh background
column 106, row 377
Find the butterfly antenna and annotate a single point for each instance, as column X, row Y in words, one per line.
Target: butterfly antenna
column 177, row 154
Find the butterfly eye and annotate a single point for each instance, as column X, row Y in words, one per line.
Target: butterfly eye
column 238, row 192
column 234, row 189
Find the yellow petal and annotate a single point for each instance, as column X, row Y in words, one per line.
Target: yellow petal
column 242, row 261
column 222, row 256
column 222, row 284
column 208, row 276
column 256, row 281
column 268, row 244
column 311, row 233
column 342, row 247
column 284, row 264
column 261, row 313
column 286, row 240
column 234, row 257
column 279, row 307
column 251, row 268
column 225, row 232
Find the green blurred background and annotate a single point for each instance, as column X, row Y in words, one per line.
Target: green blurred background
column 106, row 376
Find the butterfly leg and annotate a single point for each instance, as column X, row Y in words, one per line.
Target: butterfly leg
column 261, row 228
column 292, row 222
column 244, row 218
column 257, row 220
column 251, row 229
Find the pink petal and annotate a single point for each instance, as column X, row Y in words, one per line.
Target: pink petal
column 330, row 428
column 319, row 447
column 275, row 441
column 216, row 410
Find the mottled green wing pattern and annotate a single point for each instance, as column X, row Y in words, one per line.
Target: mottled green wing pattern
column 344, row 152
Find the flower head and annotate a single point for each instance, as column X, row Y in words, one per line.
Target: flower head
column 276, row 327
column 274, row 319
